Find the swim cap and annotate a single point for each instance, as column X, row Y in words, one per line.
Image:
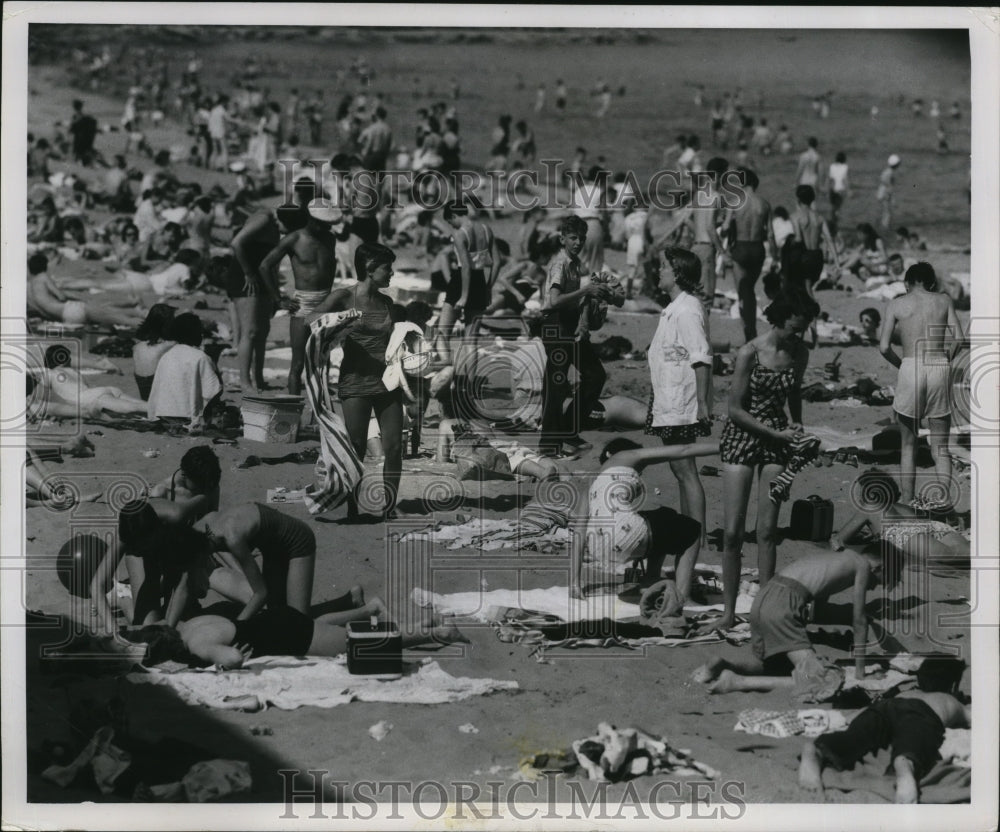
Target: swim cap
column 324, row 211
column 893, row 160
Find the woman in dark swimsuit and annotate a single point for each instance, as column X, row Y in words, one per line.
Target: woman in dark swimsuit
column 758, row 436
column 361, row 389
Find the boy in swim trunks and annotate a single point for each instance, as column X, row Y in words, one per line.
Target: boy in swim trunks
column 931, row 335
column 778, row 620
column 753, row 229
column 912, row 723
column 313, row 253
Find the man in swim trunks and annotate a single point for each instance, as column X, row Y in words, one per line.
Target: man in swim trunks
column 931, row 335
column 705, row 218
column 46, row 299
column 810, row 229
column 753, row 226
column 245, row 284
column 313, row 252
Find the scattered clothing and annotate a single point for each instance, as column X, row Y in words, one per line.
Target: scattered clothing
column 811, row 722
column 621, row 754
column 216, row 779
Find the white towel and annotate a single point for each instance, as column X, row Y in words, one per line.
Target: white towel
column 289, row 683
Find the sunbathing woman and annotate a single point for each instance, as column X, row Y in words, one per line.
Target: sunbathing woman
column 274, row 632
column 618, row 531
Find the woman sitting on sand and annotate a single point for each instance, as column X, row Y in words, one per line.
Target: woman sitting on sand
column 186, row 382
column 882, row 518
column 151, row 344
column 618, row 531
column 870, row 257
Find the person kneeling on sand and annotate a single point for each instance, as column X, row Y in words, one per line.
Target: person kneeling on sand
column 186, row 381
column 778, row 621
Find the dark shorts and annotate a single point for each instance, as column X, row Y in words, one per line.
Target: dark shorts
column 366, row 228
column 910, row 727
column 236, row 282
column 479, row 297
column 778, row 618
column 749, row 255
column 670, row 532
column 281, row 631
column 811, row 265
column 836, row 199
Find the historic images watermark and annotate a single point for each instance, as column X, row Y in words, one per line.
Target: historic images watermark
column 518, row 190
column 316, row 794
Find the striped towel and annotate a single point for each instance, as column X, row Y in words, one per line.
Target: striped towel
column 338, row 470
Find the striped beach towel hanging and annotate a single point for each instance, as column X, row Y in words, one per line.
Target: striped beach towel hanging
column 338, row 469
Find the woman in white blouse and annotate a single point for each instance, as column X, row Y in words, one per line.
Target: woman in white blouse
column 680, row 366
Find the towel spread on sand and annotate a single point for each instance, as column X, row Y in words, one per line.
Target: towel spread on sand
column 289, row 683
column 779, row 724
column 534, row 531
column 338, row 470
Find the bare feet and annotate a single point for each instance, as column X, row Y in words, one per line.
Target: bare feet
column 357, row 597
column 708, row 671
column 725, row 682
column 906, row 782
column 810, row 768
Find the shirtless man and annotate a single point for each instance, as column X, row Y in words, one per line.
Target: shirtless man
column 810, row 229
column 808, row 170
column 931, row 336
column 246, row 286
column 705, row 220
column 886, row 190
column 313, row 252
column 753, row 227
column 46, row 299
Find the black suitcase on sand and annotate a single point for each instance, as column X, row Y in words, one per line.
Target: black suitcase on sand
column 812, row 519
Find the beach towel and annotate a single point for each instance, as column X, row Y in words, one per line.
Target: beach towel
column 289, row 683
column 780, row 724
column 338, row 470
column 538, row 528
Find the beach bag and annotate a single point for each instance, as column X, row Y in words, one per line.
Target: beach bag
column 812, row 519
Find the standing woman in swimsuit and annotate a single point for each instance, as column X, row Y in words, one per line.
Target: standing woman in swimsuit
column 468, row 292
column 758, row 436
column 361, row 389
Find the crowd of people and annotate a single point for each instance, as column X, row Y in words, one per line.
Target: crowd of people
column 168, row 237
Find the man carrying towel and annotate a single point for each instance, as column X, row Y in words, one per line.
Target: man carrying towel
column 312, row 251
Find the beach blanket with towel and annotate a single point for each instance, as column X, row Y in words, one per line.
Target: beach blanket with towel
column 810, row 722
column 338, row 470
column 289, row 683
column 538, row 528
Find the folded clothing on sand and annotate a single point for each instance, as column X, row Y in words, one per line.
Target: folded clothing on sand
column 779, row 724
